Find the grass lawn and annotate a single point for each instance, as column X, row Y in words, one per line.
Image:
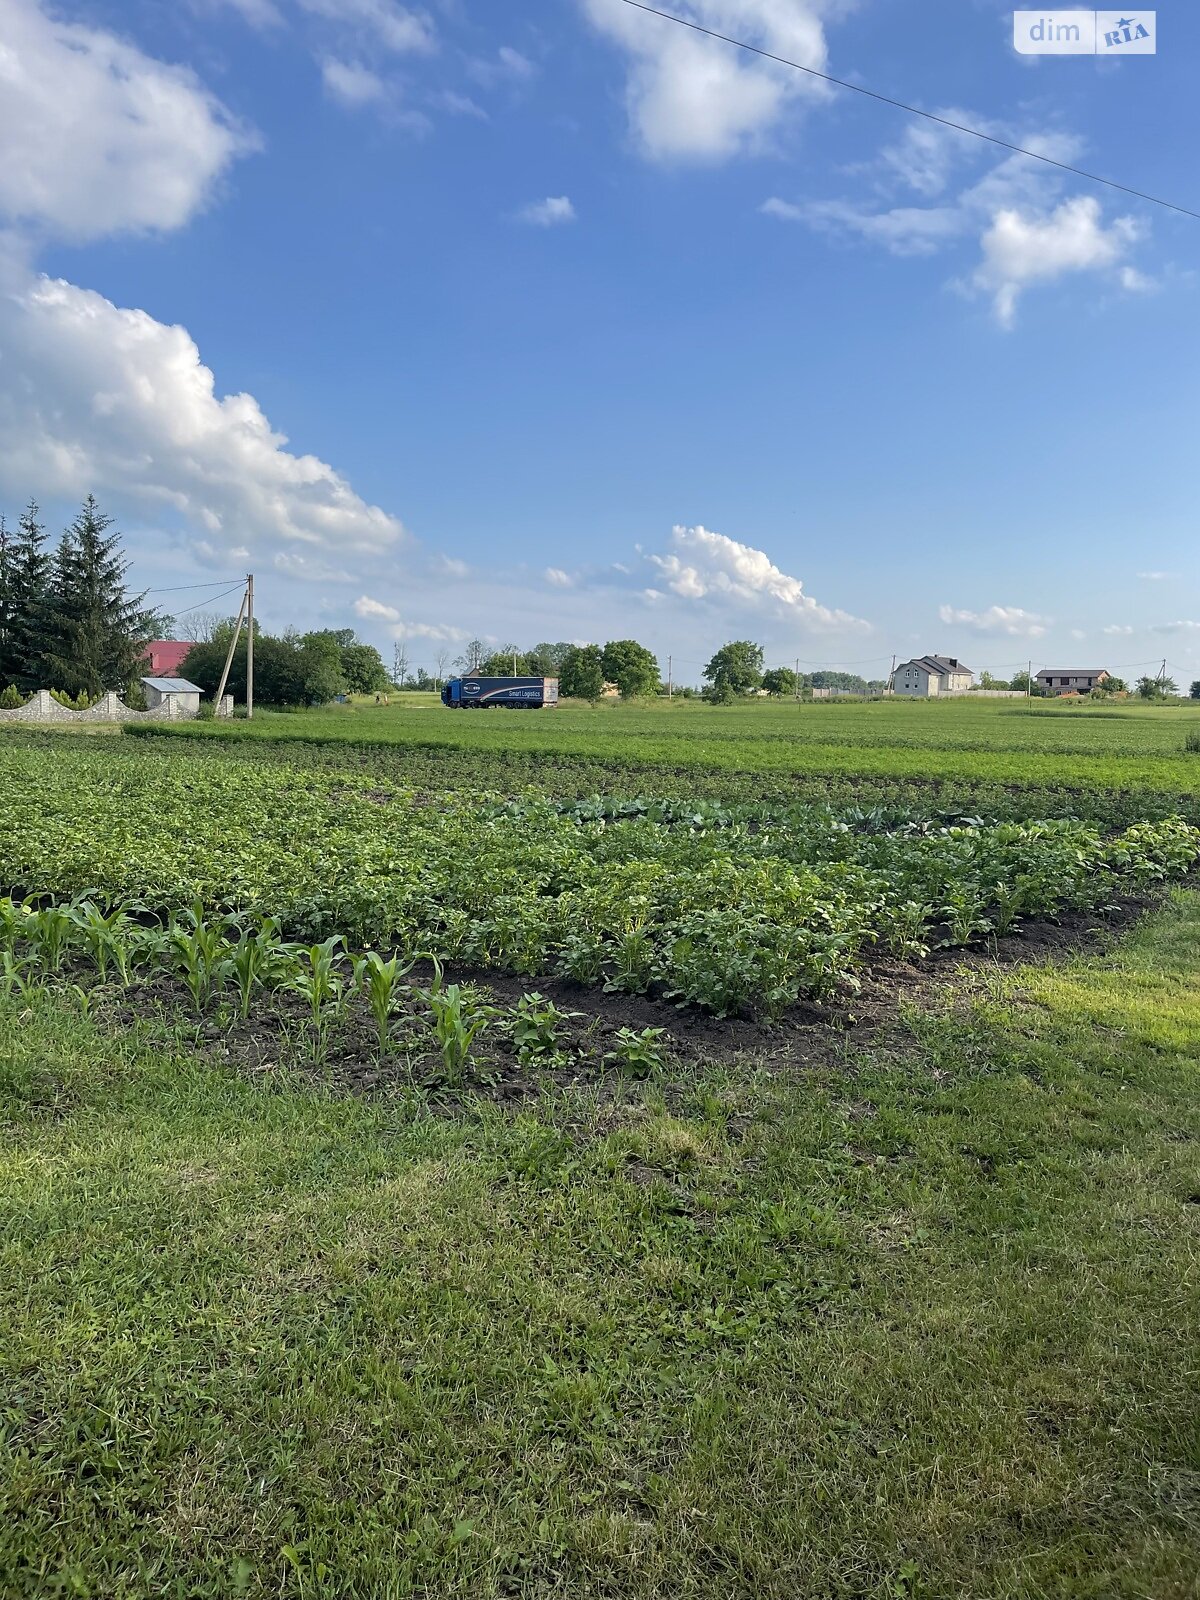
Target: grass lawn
column 921, row 1322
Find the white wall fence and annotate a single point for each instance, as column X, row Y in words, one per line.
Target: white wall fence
column 44, row 708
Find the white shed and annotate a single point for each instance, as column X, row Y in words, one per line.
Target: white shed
column 184, row 696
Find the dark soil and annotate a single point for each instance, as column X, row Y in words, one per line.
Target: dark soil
column 278, row 1036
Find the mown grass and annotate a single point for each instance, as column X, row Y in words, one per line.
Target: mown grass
column 1116, row 746
column 920, row 1322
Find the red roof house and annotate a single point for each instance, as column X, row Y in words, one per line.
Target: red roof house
column 166, row 656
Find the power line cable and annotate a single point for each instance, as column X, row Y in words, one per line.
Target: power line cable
column 212, row 599
column 915, row 111
column 179, row 588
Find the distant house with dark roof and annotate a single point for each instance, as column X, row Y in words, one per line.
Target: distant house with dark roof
column 165, row 656
column 1071, row 680
column 930, row 675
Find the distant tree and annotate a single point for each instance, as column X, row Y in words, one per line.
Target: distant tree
column 1025, row 683
column 1194, row 691
column 780, row 681
column 1114, row 686
column 986, row 681
column 1156, row 688
column 442, row 661
column 96, row 632
column 632, row 667
column 361, row 664
column 509, row 661
column 547, row 659
column 399, row 663
column 473, row 653
column 734, row 670
column 849, row 681
column 581, row 673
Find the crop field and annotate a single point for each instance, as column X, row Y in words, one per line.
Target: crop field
column 1116, row 746
column 633, row 1152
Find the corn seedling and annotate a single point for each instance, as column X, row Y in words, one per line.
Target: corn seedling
column 201, row 952
column 379, row 980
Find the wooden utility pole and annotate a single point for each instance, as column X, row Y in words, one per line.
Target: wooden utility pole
column 891, row 688
column 670, row 678
column 237, row 629
column 797, row 683
column 250, row 645
column 1029, row 687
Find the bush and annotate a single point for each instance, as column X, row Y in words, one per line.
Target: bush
column 12, row 699
column 1192, row 744
column 207, row 711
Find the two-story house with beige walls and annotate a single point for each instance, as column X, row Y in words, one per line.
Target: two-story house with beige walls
column 931, row 675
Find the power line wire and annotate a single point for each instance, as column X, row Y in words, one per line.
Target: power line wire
column 901, row 105
column 179, row 588
column 212, row 599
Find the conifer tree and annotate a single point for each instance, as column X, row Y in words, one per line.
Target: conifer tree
column 29, row 575
column 95, row 632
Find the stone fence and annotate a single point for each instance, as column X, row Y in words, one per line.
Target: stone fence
column 43, row 708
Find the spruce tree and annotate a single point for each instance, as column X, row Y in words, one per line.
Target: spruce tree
column 7, row 612
column 96, row 632
column 30, row 571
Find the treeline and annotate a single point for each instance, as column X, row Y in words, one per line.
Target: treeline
column 67, row 618
column 290, row 669
column 583, row 671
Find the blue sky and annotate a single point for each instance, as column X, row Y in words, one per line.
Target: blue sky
column 547, row 319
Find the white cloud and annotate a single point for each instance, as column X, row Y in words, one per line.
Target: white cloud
column 459, row 105
column 1019, row 249
column 374, row 610
column 689, row 97
column 99, row 138
column 95, row 397
column 548, row 213
column 1009, row 620
column 382, row 22
column 557, row 578
column 1117, row 630
column 436, row 632
column 706, row 565
column 1155, row 577
column 1182, row 626
column 1026, row 233
column 904, row 230
column 262, row 14
column 506, row 66
column 351, row 83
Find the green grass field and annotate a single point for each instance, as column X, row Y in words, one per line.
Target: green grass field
column 918, row 1322
column 1114, row 745
column 905, row 1309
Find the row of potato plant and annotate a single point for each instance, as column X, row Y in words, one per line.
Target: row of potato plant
column 732, row 914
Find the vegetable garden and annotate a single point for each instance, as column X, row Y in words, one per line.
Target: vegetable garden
column 738, row 910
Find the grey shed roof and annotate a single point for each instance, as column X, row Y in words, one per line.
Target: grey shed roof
column 173, row 685
column 1071, row 672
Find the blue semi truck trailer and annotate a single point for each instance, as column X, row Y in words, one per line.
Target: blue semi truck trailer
column 518, row 694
